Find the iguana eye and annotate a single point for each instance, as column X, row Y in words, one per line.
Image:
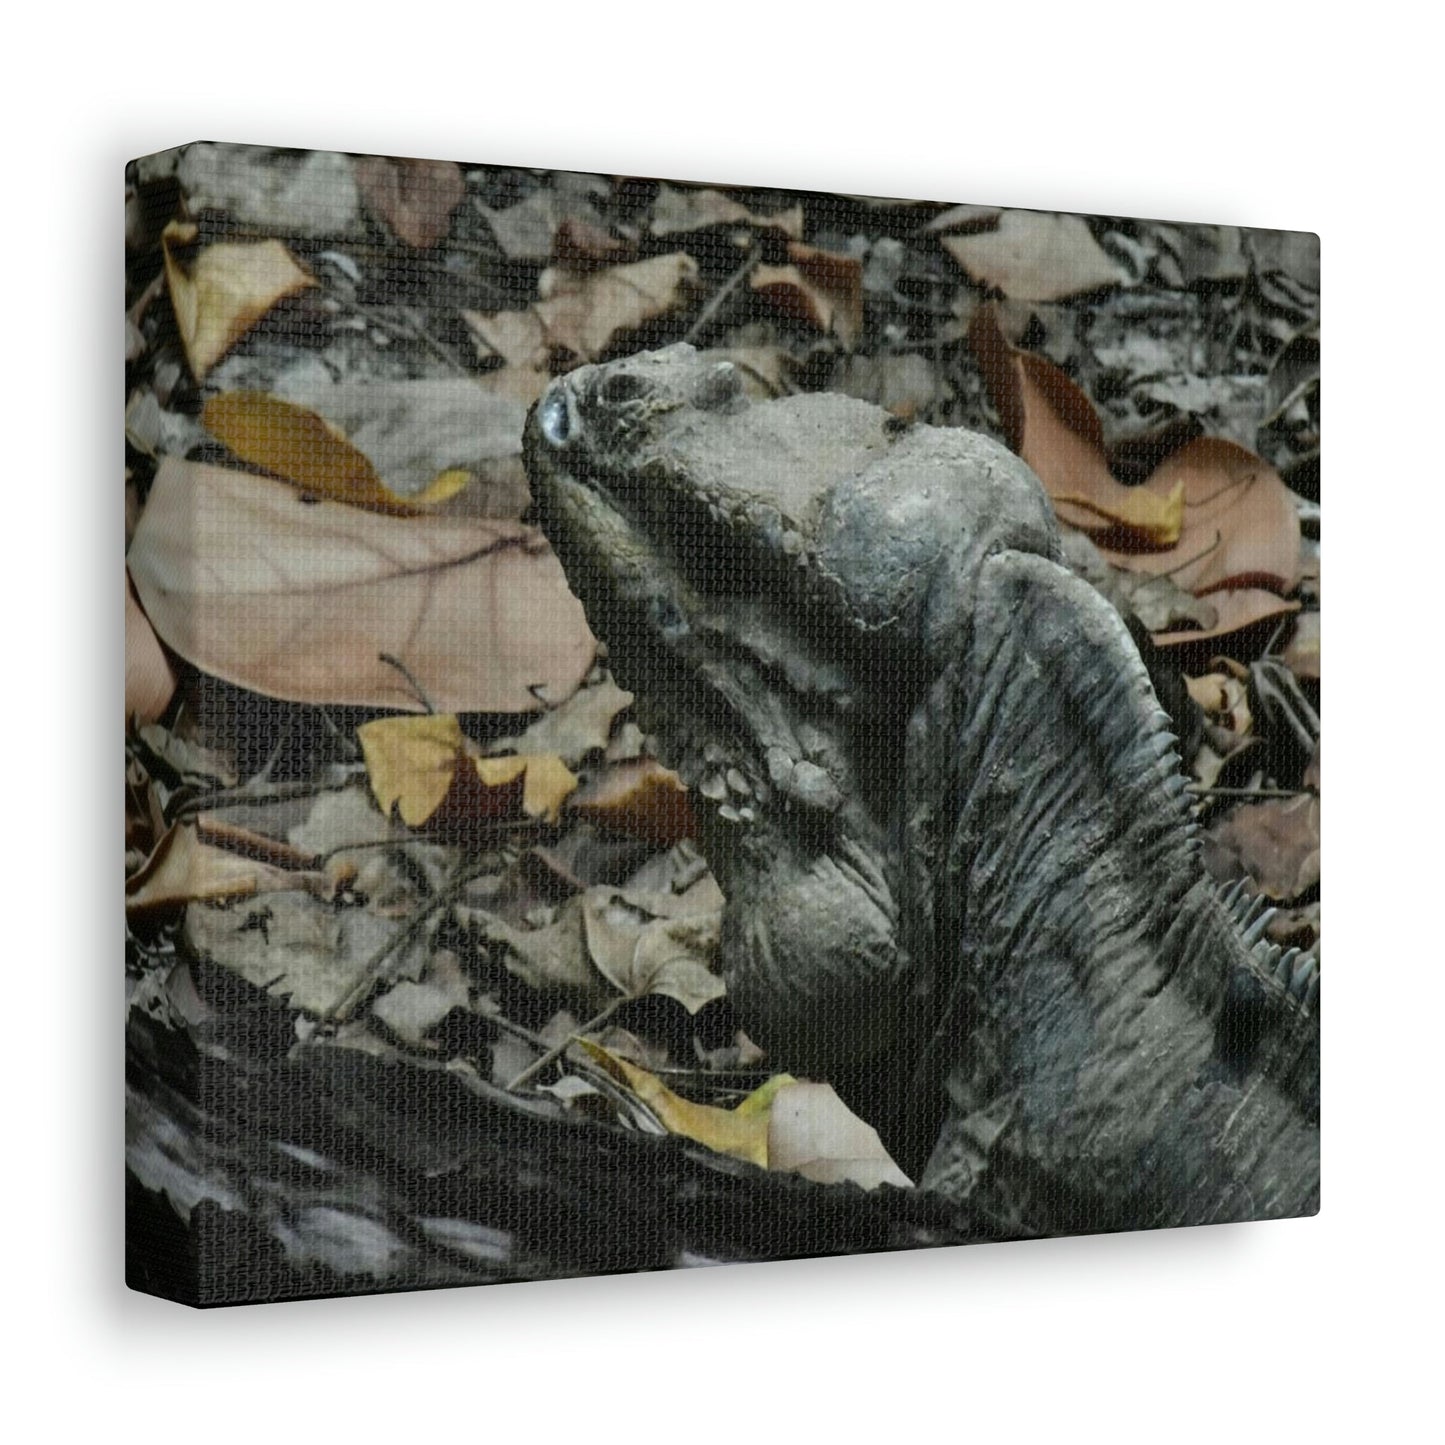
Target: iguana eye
column 556, row 417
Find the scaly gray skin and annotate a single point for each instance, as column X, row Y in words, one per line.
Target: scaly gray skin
column 947, row 814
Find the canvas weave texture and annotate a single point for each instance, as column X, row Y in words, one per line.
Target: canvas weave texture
column 672, row 723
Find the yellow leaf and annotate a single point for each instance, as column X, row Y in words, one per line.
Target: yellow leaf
column 411, row 762
column 548, row 783
column 225, row 290
column 741, row 1132
column 1158, row 519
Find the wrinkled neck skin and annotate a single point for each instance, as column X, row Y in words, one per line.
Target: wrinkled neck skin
column 940, row 798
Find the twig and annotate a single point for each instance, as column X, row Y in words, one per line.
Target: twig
column 245, row 794
column 556, row 1052
column 409, row 330
column 373, row 973
column 715, row 302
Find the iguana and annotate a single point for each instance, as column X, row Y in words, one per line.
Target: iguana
column 940, row 796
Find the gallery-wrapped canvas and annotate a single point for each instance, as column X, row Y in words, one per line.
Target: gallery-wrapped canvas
column 675, row 723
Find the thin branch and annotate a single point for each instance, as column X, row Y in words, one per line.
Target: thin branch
column 720, row 296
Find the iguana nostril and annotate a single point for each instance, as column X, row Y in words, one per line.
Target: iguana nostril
column 556, row 416
column 622, row 386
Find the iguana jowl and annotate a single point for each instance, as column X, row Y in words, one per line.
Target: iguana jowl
column 948, row 813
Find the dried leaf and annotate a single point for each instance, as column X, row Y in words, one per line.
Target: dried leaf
column 1241, row 528
column 680, row 210
column 1276, row 842
column 183, row 869
column 1053, row 426
column 418, row 764
column 298, row 601
column 741, row 1132
column 581, row 312
column 1235, row 611
column 582, row 725
column 820, row 288
column 1036, row 256
column 640, row 952
column 390, row 446
column 415, row 198
column 1302, row 656
column 225, row 290
column 812, row 1132
column 642, row 799
column 150, row 681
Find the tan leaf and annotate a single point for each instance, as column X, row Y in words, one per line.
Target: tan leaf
column 642, row 799
column 582, row 725
column 415, row 198
column 820, row 288
column 1302, row 656
column 225, row 290
column 393, row 447
column 1276, row 842
column 1240, row 526
column 580, row 313
column 1036, row 256
column 1053, row 426
column 812, row 1132
column 150, row 682
column 640, row 952
column 183, row 869
column 1235, row 611
column 243, row 578
column 678, row 210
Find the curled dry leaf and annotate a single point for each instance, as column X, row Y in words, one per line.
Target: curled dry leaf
column 678, row 210
column 642, row 799
column 1246, row 607
column 741, row 1132
column 1053, row 426
column 1276, row 842
column 298, row 601
column 394, row 447
column 225, row 290
column 812, row 1132
column 1240, row 525
column 415, row 198
column 1036, row 256
column 582, row 725
column 183, row 869
column 150, row 681
column 640, row 951
column 424, row 768
column 581, row 312
column 821, row 288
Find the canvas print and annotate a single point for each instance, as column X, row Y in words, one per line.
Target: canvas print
column 671, row 723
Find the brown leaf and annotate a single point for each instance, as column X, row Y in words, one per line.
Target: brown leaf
column 224, row 291
column 677, row 210
column 1302, row 656
column 1053, row 426
column 580, row 313
column 150, row 682
column 1235, row 611
column 183, row 869
column 821, row 288
column 298, row 601
column 642, row 799
column 1036, row 256
column 1276, row 842
column 1240, row 527
column 415, row 198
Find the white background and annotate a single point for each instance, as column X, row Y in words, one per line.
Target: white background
column 1219, row 113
